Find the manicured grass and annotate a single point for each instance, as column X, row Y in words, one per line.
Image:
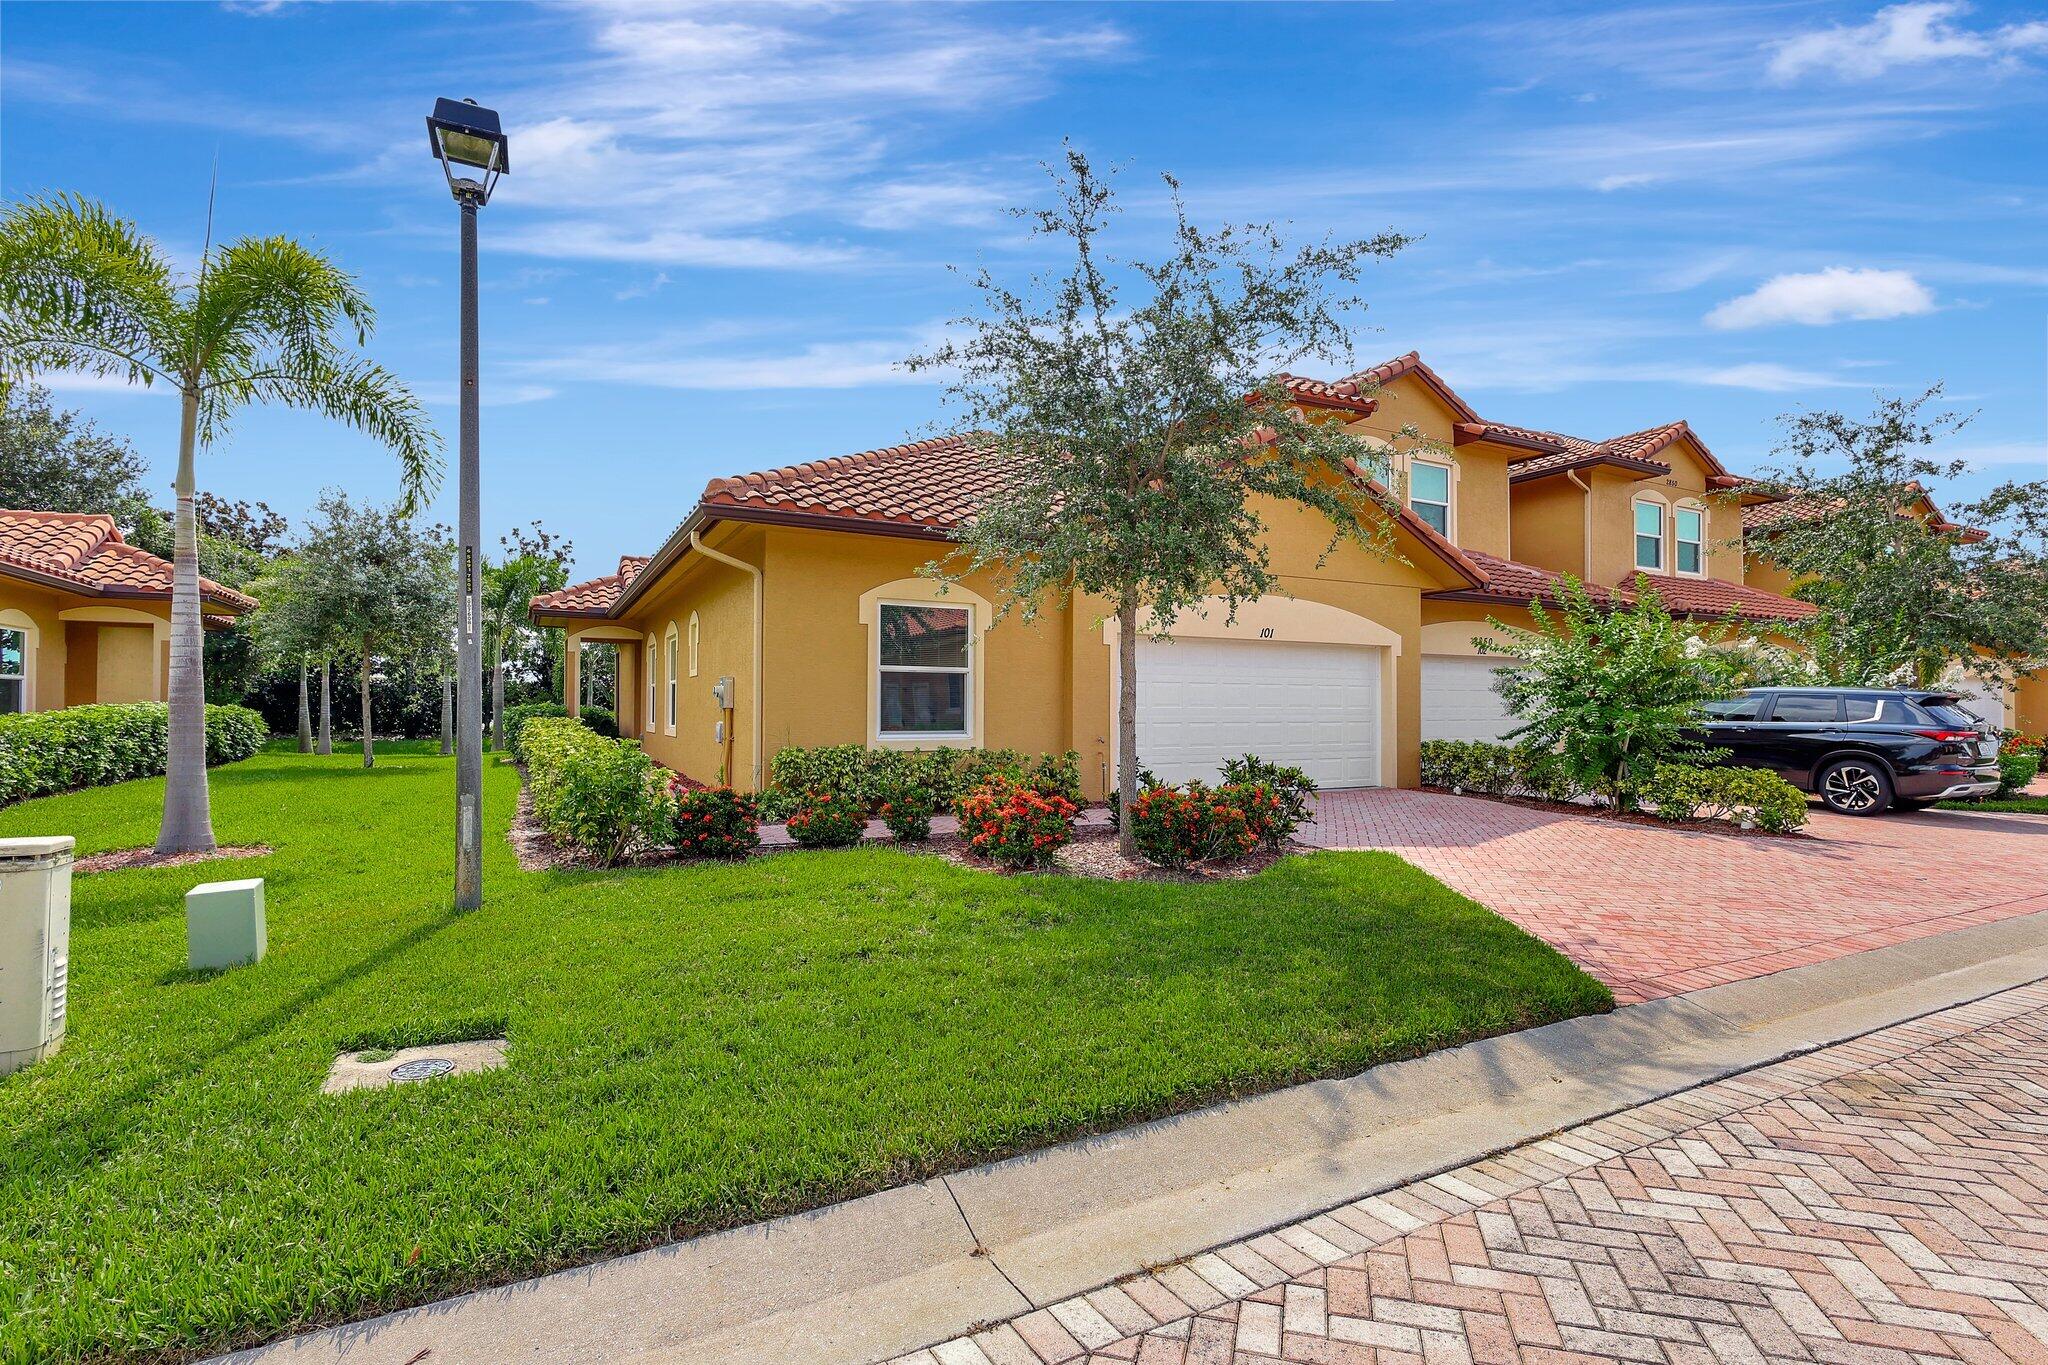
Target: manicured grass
column 2021, row 805
column 691, row 1047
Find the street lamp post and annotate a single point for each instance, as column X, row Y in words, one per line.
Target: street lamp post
column 462, row 134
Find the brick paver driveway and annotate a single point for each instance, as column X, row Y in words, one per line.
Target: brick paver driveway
column 1654, row 911
column 1882, row 1202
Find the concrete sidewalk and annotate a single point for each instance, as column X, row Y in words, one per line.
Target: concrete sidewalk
column 875, row 1277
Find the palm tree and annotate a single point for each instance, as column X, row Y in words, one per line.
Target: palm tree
column 264, row 320
column 508, row 588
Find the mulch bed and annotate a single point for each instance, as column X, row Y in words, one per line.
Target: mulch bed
column 1721, row 827
column 120, row 860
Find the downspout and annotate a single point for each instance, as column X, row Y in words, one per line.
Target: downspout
column 760, row 635
column 1586, row 535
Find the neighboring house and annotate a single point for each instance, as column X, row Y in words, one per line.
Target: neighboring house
column 801, row 585
column 85, row 616
column 2021, row 706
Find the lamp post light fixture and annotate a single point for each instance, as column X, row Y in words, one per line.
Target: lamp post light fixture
column 464, row 135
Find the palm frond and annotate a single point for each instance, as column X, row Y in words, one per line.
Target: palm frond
column 83, row 290
column 355, row 392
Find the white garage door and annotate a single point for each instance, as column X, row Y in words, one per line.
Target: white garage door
column 1458, row 700
column 1316, row 707
column 1981, row 697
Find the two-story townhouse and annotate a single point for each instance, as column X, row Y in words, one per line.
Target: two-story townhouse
column 787, row 607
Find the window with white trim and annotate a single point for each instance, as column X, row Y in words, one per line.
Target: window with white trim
column 671, row 651
column 1650, row 536
column 653, row 683
column 1429, row 494
column 925, row 656
column 694, row 632
column 1689, row 531
column 13, row 671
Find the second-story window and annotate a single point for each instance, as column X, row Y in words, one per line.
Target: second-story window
column 1690, row 534
column 1650, row 536
column 1429, row 494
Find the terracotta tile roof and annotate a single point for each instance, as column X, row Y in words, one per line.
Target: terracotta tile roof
column 1387, row 371
column 935, row 484
column 84, row 552
column 1321, row 393
column 592, row 598
column 1712, row 597
column 630, row 567
column 1509, row 580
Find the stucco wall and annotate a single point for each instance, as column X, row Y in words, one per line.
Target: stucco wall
column 127, row 663
column 1549, row 517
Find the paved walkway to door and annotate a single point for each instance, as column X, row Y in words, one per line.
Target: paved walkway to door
column 1654, row 911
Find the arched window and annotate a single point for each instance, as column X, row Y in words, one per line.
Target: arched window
column 1649, row 515
column 1689, row 536
column 671, row 660
column 693, row 644
column 653, row 682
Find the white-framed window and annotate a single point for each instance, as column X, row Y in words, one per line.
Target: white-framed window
column 1429, row 494
column 1649, row 535
column 925, row 655
column 694, row 632
column 653, row 683
column 13, row 670
column 1689, row 537
column 671, row 652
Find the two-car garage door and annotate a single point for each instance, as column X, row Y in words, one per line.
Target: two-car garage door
column 1315, row 706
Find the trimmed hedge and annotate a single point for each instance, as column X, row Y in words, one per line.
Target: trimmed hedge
column 866, row 775
column 1684, row 791
column 602, row 795
column 595, row 719
column 1473, row 765
column 43, row 752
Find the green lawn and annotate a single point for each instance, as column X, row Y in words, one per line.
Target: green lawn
column 2023, row 805
column 691, row 1048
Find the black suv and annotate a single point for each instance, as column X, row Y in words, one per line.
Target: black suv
column 1862, row 750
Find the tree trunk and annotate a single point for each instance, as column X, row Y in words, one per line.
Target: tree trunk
column 188, row 818
column 1126, row 723
column 363, row 692
column 326, row 708
column 447, row 713
column 305, row 713
column 498, row 693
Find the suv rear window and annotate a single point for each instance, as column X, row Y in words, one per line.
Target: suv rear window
column 1802, row 706
column 1944, row 711
column 1734, row 708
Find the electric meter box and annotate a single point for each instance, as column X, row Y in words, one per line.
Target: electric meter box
column 35, row 947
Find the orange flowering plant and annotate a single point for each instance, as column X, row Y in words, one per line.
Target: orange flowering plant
column 827, row 819
column 713, row 822
column 1013, row 825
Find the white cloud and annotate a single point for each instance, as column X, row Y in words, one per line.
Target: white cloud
column 2031, row 455
column 716, row 358
column 1920, row 34
column 598, row 240
column 1820, row 297
column 489, row 394
column 1762, row 376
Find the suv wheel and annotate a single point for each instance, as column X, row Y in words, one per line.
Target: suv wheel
column 1855, row 786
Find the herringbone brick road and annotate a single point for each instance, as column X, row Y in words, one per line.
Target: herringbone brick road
column 1883, row 1202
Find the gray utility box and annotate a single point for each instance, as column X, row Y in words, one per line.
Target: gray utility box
column 35, row 945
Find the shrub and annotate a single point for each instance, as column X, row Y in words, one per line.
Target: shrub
column 1265, row 814
column 712, row 822
column 776, row 803
column 1470, row 765
column 42, row 752
column 600, row 795
column 1056, row 775
column 1293, row 790
column 1011, row 824
column 2016, row 768
column 828, row 819
column 906, row 808
column 1175, row 826
column 595, row 719
column 1684, row 791
column 864, row 774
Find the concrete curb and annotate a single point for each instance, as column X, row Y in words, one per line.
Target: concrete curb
column 874, row 1277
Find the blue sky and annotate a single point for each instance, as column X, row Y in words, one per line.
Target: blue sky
column 725, row 224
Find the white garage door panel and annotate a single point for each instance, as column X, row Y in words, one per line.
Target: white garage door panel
column 1458, row 700
column 1981, row 697
column 1316, row 707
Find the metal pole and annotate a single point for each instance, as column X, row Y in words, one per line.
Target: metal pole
column 469, row 681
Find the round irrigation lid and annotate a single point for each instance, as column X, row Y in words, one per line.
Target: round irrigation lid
column 422, row 1069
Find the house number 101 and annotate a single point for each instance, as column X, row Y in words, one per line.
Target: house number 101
column 1265, row 632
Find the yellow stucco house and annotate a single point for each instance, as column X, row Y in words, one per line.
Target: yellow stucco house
column 85, row 616
column 797, row 588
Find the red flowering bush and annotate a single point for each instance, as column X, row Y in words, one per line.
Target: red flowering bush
column 1013, row 825
column 713, row 822
column 1175, row 826
column 1268, row 817
column 906, row 808
column 827, row 819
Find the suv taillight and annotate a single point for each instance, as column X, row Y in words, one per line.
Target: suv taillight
column 1947, row 736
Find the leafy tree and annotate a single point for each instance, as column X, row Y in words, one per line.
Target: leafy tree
column 263, row 320
column 533, row 656
column 508, row 586
column 366, row 582
column 1902, row 601
column 54, row 460
column 1612, row 692
column 1133, row 417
